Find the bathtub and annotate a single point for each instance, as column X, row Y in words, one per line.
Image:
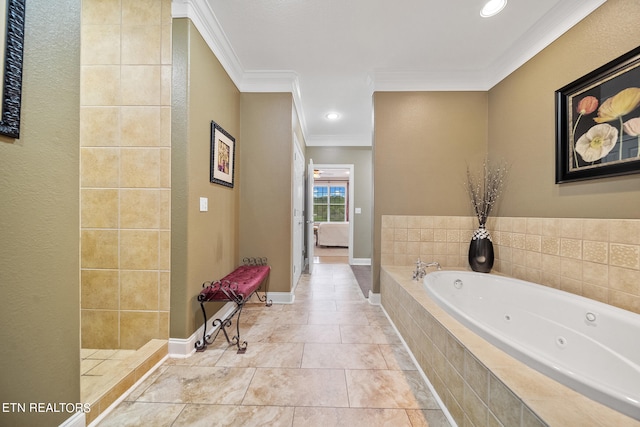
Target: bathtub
column 586, row 345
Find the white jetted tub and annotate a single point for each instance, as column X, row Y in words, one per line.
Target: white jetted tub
column 592, row 347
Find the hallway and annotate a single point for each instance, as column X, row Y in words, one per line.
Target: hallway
column 329, row 359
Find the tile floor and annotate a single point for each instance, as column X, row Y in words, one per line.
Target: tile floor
column 329, row 359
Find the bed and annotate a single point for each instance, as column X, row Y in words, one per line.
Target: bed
column 333, row 234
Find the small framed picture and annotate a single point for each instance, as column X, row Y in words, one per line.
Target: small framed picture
column 598, row 122
column 223, row 150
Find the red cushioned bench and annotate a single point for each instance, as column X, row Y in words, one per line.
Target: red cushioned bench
column 237, row 287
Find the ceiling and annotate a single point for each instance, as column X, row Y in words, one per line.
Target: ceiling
column 333, row 54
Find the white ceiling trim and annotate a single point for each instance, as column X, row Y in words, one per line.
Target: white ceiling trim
column 200, row 13
column 548, row 29
column 554, row 24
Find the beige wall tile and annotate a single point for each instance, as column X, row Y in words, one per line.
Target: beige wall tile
column 99, row 126
column 595, row 251
column 141, row 12
column 627, row 256
column 99, row 208
column 140, row 167
column 99, row 249
column 518, row 240
column 571, row 248
column 139, row 290
column 571, row 228
column 141, row 127
column 624, row 300
column 99, row 329
column 137, row 328
column 596, row 229
column 164, row 291
column 139, row 249
column 519, row 225
column 625, row 231
column 101, row 12
column 99, row 289
column 165, row 127
column 503, row 403
column 141, row 84
column 387, row 221
column 166, row 48
column 165, row 250
column 101, row 85
column 534, row 226
column 624, row 279
column 99, row 167
column 595, row 273
column 141, row 44
column 550, row 245
column 100, row 45
column 165, row 209
column 533, row 242
column 598, row 293
column 139, row 208
column 551, row 227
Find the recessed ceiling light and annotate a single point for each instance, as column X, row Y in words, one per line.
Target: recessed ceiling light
column 493, row 7
column 332, row 116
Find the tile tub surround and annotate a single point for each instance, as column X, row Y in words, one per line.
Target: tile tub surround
column 594, row 258
column 480, row 384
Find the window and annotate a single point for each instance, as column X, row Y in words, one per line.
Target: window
column 330, row 202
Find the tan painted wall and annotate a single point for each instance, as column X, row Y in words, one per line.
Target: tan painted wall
column 204, row 244
column 266, row 183
column 422, row 144
column 39, row 231
column 522, row 121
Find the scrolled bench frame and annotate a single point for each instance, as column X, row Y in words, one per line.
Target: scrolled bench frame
column 237, row 287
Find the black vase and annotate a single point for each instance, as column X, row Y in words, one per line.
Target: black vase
column 481, row 251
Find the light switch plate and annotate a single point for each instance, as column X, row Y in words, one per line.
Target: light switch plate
column 204, row 204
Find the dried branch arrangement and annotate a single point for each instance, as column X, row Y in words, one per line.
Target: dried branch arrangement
column 485, row 188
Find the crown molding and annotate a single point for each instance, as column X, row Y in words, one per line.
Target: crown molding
column 200, row 13
column 204, row 19
column 549, row 28
column 555, row 23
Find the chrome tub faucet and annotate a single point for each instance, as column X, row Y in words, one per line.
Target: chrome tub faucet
column 421, row 268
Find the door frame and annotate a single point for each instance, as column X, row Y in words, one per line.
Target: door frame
column 350, row 167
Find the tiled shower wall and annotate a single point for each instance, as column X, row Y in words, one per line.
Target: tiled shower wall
column 595, row 258
column 125, row 172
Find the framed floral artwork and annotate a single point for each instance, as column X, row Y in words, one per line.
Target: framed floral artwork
column 598, row 122
column 223, row 150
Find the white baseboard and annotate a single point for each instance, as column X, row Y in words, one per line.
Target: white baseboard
column 281, row 297
column 361, row 261
column 181, row 348
column 374, row 299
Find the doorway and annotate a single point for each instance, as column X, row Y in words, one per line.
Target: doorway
column 333, row 213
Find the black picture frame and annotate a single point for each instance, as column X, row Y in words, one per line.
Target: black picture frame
column 12, row 81
column 223, row 153
column 598, row 122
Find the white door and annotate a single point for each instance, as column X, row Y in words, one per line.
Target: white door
column 311, row 239
column 298, row 212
